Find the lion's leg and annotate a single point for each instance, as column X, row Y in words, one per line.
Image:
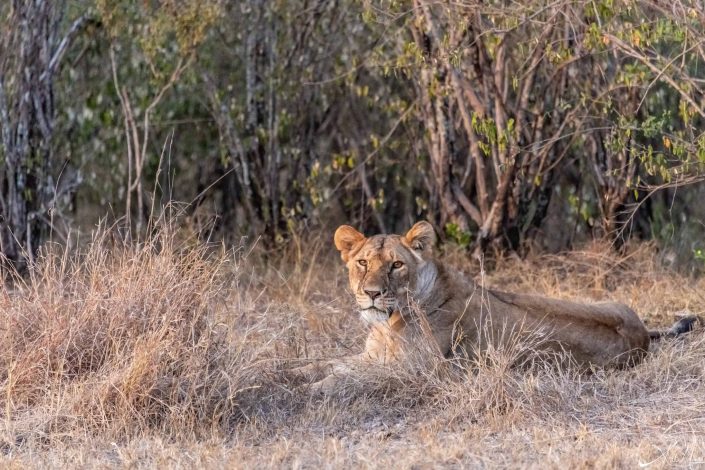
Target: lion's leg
column 381, row 347
column 319, row 370
column 602, row 334
column 339, row 371
column 612, row 336
column 324, row 376
column 311, row 372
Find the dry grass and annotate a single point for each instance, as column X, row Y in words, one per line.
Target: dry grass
column 172, row 354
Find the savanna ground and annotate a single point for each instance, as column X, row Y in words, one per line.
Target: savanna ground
column 171, row 353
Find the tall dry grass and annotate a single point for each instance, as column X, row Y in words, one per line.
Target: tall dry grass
column 119, row 338
column 170, row 352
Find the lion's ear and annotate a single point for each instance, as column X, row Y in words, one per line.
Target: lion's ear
column 345, row 239
column 421, row 237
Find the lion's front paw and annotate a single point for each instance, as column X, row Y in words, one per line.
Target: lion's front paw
column 326, row 386
column 306, row 375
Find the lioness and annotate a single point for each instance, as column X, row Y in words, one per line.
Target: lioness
column 393, row 275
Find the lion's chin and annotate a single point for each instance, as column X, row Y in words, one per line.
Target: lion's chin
column 373, row 316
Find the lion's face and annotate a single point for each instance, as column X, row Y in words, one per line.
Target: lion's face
column 386, row 271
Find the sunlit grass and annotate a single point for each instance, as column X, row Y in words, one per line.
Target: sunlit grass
column 170, row 352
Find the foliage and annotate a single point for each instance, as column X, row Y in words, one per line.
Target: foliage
column 275, row 117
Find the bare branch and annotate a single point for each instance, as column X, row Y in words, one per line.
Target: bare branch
column 64, row 44
column 630, row 51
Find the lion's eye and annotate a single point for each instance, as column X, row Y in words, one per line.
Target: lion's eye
column 362, row 262
column 397, row 264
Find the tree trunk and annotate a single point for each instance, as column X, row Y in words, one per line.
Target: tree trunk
column 30, row 54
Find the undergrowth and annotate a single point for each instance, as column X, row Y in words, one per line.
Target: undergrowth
column 169, row 348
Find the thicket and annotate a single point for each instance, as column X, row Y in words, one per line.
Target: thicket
column 504, row 123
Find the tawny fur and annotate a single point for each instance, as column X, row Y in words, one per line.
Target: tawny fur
column 392, row 276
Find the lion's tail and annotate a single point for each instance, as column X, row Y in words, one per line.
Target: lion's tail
column 684, row 325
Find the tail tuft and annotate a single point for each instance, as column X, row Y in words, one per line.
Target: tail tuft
column 684, row 325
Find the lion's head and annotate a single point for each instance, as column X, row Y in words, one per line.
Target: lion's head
column 386, row 271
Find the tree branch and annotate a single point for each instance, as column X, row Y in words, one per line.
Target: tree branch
column 58, row 55
column 659, row 73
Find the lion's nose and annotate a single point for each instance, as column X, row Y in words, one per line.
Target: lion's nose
column 374, row 293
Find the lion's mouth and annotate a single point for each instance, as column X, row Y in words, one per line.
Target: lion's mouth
column 382, row 305
column 373, row 306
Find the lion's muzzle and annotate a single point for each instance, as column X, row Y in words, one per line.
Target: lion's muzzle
column 376, row 305
column 379, row 299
